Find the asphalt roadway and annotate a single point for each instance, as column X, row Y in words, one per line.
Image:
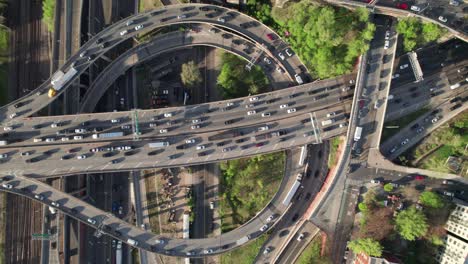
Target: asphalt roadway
column 193, row 13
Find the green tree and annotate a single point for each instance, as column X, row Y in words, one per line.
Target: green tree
column 362, row 207
column 48, row 8
column 190, row 74
column 411, row 224
column 388, row 187
column 431, row 32
column 431, row 199
column 368, row 246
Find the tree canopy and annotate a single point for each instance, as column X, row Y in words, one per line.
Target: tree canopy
column 190, row 74
column 233, row 77
column 411, row 224
column 368, row 246
column 388, row 187
column 431, row 199
column 415, row 33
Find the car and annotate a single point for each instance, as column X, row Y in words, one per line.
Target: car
column 375, row 181
column 3, row 156
column 138, row 27
column 270, row 36
column 442, row 19
column 252, row 112
column 291, row 110
column 419, row 177
column 263, row 128
column 80, row 130
column 168, row 114
column 195, row 126
column 386, row 44
column 221, row 19
column 454, row 3
column 266, row 114
column 81, row 156
column 253, row 99
column 181, row 16
column 345, row 124
column 280, row 70
column 91, row 57
column 263, row 228
column 7, row 128
column 267, row 250
column 123, row 32
column 300, row 237
column 37, row 139
column 66, row 157
column 50, row 139
column 249, row 105
column 415, row 8
column 91, row 221
column 281, row 55
column 395, row 185
column 55, row 125
column 7, row 185
column 448, row 182
column 163, row 131
column 403, row 6
column 39, row 197
column 115, row 161
column 227, row 149
column 189, row 141
column 393, row 149
column 267, row 60
column 288, row 52
column 420, row 129
column 124, row 127
column 387, row 35
column 270, row 218
column 404, row 142
column 284, row 106
column 404, row 66
column 120, row 210
column 331, row 114
column 396, row 75
column 449, row 194
column 201, row 147
column 26, row 153
column 195, row 121
column 208, row 251
column 117, row 120
column 77, row 137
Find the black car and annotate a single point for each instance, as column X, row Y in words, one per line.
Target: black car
column 240, row 140
column 18, row 105
column 115, row 161
column 85, row 123
column 228, row 122
column 99, row 41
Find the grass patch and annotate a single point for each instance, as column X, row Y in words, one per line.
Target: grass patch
column 400, row 123
column 152, row 204
column 149, row 5
column 449, row 139
column 245, row 254
column 247, row 185
column 334, row 143
column 48, row 10
column 311, row 254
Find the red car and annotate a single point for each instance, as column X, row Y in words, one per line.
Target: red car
column 259, row 144
column 270, row 36
column 361, row 103
column 403, row 6
column 419, row 177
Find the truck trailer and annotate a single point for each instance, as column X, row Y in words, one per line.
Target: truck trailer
column 108, row 135
column 357, row 133
column 59, row 79
column 158, row 144
column 292, row 191
column 327, row 122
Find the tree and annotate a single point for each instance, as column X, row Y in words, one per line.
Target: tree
column 190, row 74
column 378, row 223
column 362, row 207
column 368, row 246
column 388, row 187
column 431, row 32
column 411, row 224
column 431, row 199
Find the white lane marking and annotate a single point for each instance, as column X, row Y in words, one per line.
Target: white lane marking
column 138, row 165
column 105, row 166
column 87, row 168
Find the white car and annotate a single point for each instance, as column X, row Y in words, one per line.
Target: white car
column 13, row 115
column 263, row 228
column 7, row 185
column 331, row 114
column 37, row 139
column 300, row 237
column 443, row 19
column 167, row 114
column 396, row 75
column 284, row 106
column 80, row 131
column 91, row 221
column 267, row 114
column 221, row 19
column 252, row 112
column 434, row 120
column 78, row 137
column 281, row 55
column 230, row 104
column 200, row 147
column 253, row 99
column 127, row 126
column 267, row 60
column 375, row 181
column 387, row 35
column 181, row 16
column 270, row 218
column 387, row 44
column 8, row 128
column 291, row 110
column 263, row 128
column 65, row 139
column 289, row 52
column 195, row 121
column 190, row 141
column 81, row 157
column 208, row 251
column 3, row 156
column 163, row 131
column 39, row 197
column 415, row 8
column 129, row 22
column 404, row 66
column 140, row 26
column 113, row 121
column 153, row 125
column 195, row 127
column 279, row 69
column 54, row 125
column 123, row 32
column 50, row 139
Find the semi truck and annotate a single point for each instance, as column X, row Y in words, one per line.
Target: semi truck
column 292, row 191
column 357, row 133
column 158, row 144
column 108, row 135
column 242, row 241
column 3, row 142
column 59, row 79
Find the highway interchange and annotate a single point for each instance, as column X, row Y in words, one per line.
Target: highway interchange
column 211, row 120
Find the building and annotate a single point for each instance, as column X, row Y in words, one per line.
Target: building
column 385, row 259
column 455, row 250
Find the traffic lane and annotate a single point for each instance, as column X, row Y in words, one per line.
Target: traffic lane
column 204, row 116
column 297, row 133
column 170, row 41
column 418, row 129
column 112, row 36
column 108, row 223
column 303, row 237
